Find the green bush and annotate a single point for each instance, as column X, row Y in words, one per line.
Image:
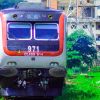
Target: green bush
column 76, row 70
column 84, row 69
column 95, row 74
column 1, row 98
column 69, row 72
column 95, row 69
column 82, row 88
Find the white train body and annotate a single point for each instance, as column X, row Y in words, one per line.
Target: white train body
column 32, row 51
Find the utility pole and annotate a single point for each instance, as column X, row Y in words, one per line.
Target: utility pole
column 48, row 3
column 77, row 12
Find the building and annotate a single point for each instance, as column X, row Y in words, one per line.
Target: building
column 86, row 17
column 91, row 12
column 51, row 3
column 57, row 4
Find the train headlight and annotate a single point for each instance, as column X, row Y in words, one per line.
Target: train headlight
column 15, row 16
column 50, row 16
column 11, row 63
column 54, row 64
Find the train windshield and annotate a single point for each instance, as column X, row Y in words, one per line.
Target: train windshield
column 19, row 31
column 46, row 31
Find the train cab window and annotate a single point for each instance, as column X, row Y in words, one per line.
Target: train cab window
column 46, row 31
column 19, row 31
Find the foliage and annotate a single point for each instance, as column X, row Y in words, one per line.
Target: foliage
column 94, row 74
column 73, row 58
column 95, row 69
column 1, row 98
column 81, row 50
column 82, row 88
column 69, row 72
column 8, row 3
column 84, row 69
column 76, row 70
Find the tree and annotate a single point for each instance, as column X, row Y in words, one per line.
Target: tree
column 80, row 49
column 8, row 3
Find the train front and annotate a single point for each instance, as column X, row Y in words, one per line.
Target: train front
column 32, row 52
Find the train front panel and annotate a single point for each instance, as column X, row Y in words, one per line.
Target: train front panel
column 32, row 51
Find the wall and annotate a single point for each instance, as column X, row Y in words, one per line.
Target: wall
column 53, row 4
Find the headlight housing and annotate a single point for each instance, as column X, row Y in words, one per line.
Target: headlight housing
column 54, row 64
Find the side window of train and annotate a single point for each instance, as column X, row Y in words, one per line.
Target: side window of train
column 19, row 31
column 46, row 31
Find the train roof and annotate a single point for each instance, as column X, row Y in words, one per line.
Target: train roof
column 38, row 10
column 30, row 7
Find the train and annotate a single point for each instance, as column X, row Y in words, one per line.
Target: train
column 32, row 51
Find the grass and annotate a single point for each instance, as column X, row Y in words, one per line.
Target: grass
column 82, row 87
column 1, row 98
